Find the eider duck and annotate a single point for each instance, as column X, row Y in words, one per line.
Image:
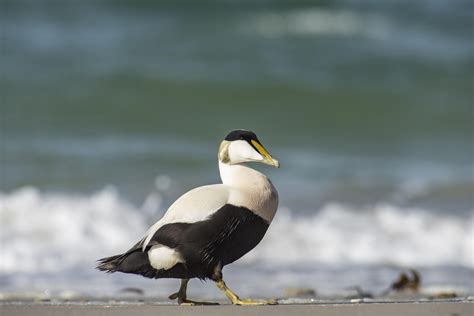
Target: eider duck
column 209, row 227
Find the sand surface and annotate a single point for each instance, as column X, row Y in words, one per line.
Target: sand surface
column 419, row 308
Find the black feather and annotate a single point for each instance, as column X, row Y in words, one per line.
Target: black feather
column 221, row 239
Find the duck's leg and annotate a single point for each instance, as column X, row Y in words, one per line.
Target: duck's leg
column 181, row 292
column 181, row 296
column 235, row 299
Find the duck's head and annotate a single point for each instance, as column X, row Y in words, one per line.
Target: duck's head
column 241, row 146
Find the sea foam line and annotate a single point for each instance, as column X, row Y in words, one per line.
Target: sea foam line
column 58, row 231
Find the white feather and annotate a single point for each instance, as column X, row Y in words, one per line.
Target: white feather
column 162, row 257
column 250, row 189
column 193, row 206
column 240, row 151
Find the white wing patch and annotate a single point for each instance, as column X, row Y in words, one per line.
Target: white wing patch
column 193, row 206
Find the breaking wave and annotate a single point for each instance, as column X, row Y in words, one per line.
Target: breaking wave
column 47, row 232
column 381, row 234
column 53, row 231
column 319, row 22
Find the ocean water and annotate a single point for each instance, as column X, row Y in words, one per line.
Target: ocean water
column 112, row 110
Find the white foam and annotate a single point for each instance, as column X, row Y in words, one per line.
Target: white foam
column 55, row 231
column 382, row 234
column 58, row 231
column 317, row 22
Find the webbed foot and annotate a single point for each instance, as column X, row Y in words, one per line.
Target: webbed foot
column 236, row 300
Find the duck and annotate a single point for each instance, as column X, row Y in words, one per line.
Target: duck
column 210, row 226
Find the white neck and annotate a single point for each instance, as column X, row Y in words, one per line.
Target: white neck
column 238, row 175
column 250, row 188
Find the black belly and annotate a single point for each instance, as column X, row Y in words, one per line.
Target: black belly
column 205, row 246
column 226, row 236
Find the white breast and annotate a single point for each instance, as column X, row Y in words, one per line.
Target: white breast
column 242, row 186
column 250, row 189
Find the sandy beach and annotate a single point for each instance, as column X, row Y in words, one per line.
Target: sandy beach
column 419, row 308
column 111, row 113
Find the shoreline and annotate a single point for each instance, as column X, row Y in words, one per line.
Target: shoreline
column 460, row 307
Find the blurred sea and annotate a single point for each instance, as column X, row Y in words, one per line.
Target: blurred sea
column 112, row 109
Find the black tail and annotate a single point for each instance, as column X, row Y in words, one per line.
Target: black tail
column 111, row 264
column 133, row 261
column 122, row 262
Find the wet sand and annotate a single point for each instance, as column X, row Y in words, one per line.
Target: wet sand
column 91, row 308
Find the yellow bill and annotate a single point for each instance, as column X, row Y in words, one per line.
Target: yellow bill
column 267, row 158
